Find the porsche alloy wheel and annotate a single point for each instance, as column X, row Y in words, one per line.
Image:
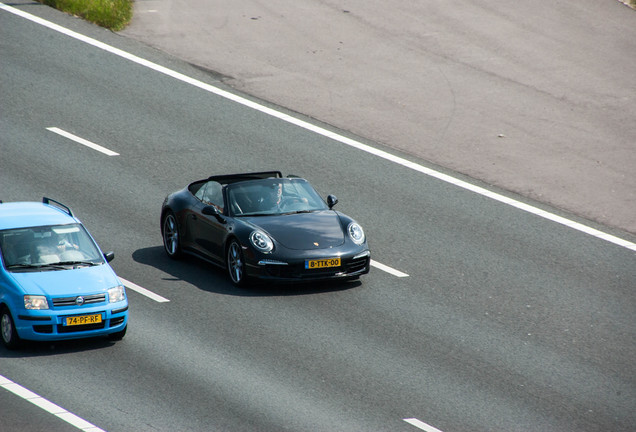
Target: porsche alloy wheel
column 7, row 329
column 235, row 263
column 171, row 236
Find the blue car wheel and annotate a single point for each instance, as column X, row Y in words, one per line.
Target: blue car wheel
column 10, row 337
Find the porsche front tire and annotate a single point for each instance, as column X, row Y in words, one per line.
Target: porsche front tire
column 235, row 264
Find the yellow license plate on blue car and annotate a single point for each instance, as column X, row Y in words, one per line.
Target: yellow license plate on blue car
column 322, row 263
column 83, row 320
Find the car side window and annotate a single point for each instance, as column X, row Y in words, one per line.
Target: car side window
column 16, row 247
column 200, row 192
column 211, row 193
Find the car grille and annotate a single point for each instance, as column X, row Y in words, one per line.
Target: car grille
column 75, row 329
column 116, row 321
column 43, row 328
column 70, row 301
column 357, row 264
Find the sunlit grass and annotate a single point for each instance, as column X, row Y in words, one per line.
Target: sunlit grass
column 112, row 14
column 630, row 3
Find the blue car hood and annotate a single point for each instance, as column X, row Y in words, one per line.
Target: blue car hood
column 87, row 280
column 303, row 231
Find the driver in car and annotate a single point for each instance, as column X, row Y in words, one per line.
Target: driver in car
column 272, row 198
column 67, row 250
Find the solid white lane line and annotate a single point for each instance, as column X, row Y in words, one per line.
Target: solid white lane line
column 47, row 405
column 420, row 424
column 334, row 136
column 143, row 291
column 82, row 141
column 388, row 269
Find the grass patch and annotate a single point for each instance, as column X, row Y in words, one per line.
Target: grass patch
column 111, row 14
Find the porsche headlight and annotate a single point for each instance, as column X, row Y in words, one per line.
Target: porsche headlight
column 35, row 302
column 116, row 294
column 356, row 233
column 261, row 241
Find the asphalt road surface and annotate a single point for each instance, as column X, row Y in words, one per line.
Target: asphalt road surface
column 535, row 97
column 506, row 317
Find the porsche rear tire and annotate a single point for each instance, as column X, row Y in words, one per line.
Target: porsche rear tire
column 170, row 234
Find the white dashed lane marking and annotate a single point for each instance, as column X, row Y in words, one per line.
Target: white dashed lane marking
column 48, row 406
column 388, row 269
column 421, row 425
column 143, row 291
column 82, row 141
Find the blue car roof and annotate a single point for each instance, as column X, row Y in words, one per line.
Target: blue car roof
column 30, row 214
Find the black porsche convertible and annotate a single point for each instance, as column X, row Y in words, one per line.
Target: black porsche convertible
column 265, row 226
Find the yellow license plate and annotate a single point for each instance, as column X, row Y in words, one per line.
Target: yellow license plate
column 83, row 320
column 322, row 263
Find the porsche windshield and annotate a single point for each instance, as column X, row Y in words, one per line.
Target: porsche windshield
column 273, row 196
column 46, row 247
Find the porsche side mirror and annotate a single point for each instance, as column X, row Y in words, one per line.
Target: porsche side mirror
column 332, row 201
column 109, row 256
column 213, row 211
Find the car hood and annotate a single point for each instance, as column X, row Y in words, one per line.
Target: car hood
column 78, row 281
column 303, row 231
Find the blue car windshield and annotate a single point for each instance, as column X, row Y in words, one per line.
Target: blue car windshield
column 45, row 247
column 273, row 197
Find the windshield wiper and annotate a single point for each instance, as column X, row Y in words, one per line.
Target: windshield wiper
column 258, row 214
column 55, row 266
column 297, row 212
column 88, row 263
column 24, row 266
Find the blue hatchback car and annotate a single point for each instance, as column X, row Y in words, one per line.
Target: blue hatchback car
column 55, row 283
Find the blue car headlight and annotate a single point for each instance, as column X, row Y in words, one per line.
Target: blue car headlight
column 356, row 233
column 35, row 302
column 116, row 294
column 261, row 241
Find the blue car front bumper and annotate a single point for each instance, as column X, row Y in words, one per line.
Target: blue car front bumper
column 73, row 323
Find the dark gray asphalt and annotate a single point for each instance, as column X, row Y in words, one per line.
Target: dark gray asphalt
column 534, row 97
column 506, row 321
